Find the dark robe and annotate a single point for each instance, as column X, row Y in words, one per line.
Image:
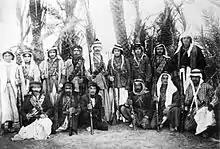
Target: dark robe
column 27, row 107
column 62, row 111
column 96, row 113
column 141, row 69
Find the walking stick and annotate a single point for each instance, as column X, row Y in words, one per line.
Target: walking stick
column 114, row 116
column 133, row 116
column 19, row 102
column 91, row 115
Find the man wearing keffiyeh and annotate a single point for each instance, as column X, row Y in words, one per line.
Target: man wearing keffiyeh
column 75, row 69
column 168, row 103
column 98, row 75
column 140, row 65
column 200, row 101
column 52, row 73
column 119, row 75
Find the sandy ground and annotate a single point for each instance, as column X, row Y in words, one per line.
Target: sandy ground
column 118, row 137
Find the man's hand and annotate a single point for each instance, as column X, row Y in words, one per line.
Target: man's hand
column 130, row 102
column 155, row 99
column 111, row 78
column 43, row 116
column 28, row 116
column 72, row 110
column 89, row 106
column 60, row 87
column 81, row 80
column 210, row 107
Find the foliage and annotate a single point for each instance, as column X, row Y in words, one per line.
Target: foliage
column 210, row 40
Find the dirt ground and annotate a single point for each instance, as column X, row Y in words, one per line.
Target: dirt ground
column 118, row 137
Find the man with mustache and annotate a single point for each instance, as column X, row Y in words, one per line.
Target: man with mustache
column 67, row 110
column 37, row 112
column 92, row 102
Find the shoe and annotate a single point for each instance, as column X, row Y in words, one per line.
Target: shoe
column 1, row 132
column 88, row 129
column 11, row 130
column 131, row 125
column 176, row 129
column 172, row 129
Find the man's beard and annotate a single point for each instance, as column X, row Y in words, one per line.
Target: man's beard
column 68, row 93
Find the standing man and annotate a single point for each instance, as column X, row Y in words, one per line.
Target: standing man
column 119, row 75
column 52, row 73
column 140, row 65
column 188, row 56
column 75, row 70
column 98, row 75
column 200, row 102
column 140, row 101
column 167, row 98
column 159, row 60
column 29, row 71
column 8, row 89
column 67, row 110
column 92, row 102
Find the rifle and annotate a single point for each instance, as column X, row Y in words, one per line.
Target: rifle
column 133, row 117
column 19, row 102
column 182, row 113
column 114, row 116
column 155, row 95
column 91, row 120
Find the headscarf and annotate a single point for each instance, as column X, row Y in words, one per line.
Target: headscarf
column 196, row 73
column 165, row 49
column 9, row 51
column 144, row 89
column 143, row 54
column 96, row 58
column 180, row 44
column 171, row 89
column 117, row 46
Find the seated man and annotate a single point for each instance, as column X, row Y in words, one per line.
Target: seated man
column 67, row 110
column 91, row 101
column 36, row 112
column 168, row 101
column 137, row 110
column 200, row 101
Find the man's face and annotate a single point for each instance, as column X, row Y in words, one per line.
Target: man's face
column 97, row 50
column 7, row 57
column 117, row 52
column 52, row 54
column 138, row 87
column 195, row 80
column 27, row 58
column 36, row 88
column 159, row 50
column 138, row 50
column 92, row 90
column 68, row 89
column 76, row 52
column 186, row 41
column 164, row 79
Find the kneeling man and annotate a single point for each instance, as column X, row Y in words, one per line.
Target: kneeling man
column 36, row 112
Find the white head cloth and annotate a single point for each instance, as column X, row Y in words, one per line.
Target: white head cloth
column 171, row 88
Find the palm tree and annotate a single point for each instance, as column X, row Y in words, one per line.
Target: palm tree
column 119, row 25
column 36, row 11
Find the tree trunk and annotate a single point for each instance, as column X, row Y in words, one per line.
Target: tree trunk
column 119, row 25
column 35, row 9
column 137, row 22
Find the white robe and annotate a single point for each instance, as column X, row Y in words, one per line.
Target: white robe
column 40, row 129
column 8, row 101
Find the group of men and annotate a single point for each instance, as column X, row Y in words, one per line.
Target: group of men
column 147, row 93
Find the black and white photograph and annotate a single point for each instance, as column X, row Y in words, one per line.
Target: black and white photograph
column 109, row 74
